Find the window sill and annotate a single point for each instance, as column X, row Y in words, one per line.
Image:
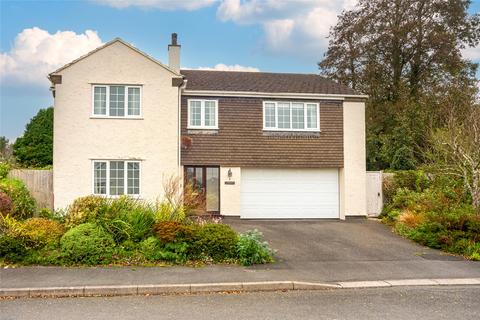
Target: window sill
column 293, row 130
column 202, row 128
column 117, row 118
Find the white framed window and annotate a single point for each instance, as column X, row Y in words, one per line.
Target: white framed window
column 291, row 116
column 116, row 177
column 202, row 114
column 116, row 101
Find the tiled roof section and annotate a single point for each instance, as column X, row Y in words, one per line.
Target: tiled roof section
column 263, row 82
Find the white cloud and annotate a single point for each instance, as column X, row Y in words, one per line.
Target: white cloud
column 158, row 4
column 36, row 53
column 472, row 53
column 232, row 67
column 299, row 27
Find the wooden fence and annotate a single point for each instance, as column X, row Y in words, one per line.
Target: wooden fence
column 39, row 183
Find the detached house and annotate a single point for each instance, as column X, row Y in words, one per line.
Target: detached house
column 254, row 144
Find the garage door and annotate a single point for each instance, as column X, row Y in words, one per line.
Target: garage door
column 289, row 193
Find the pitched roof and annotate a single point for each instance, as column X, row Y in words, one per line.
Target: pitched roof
column 108, row 44
column 207, row 80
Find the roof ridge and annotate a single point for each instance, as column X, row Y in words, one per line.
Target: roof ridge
column 254, row 72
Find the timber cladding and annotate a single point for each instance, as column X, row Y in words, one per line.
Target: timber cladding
column 241, row 141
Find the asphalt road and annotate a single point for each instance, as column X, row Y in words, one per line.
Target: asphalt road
column 460, row 302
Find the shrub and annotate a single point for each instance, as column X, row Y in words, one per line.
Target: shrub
column 217, row 241
column 251, row 249
column 4, row 169
column 39, row 232
column 23, row 203
column 411, row 219
column 165, row 211
column 127, row 218
column 12, row 249
column 6, row 205
column 154, row 250
column 84, row 209
column 87, row 243
column 151, row 248
column 173, row 232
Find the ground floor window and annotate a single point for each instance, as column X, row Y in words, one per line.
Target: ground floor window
column 116, row 177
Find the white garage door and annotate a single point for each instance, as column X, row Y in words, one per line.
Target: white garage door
column 289, row 193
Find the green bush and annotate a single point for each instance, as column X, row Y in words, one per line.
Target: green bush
column 24, row 205
column 6, row 205
column 4, row 169
column 217, row 241
column 127, row 218
column 154, row 250
column 251, row 249
column 87, row 243
column 12, row 249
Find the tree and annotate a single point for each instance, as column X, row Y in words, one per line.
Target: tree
column 455, row 151
column 406, row 55
column 35, row 147
column 5, row 150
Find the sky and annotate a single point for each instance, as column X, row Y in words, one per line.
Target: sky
column 37, row 37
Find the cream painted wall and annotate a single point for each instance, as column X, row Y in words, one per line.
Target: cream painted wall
column 230, row 194
column 353, row 175
column 78, row 138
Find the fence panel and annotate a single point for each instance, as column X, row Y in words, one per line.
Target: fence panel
column 39, row 183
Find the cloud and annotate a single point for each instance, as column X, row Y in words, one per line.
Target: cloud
column 36, row 53
column 224, row 67
column 472, row 53
column 298, row 27
column 158, row 4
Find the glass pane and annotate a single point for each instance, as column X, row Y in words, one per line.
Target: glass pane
column 312, row 116
column 117, row 101
column 133, row 101
column 210, row 113
column 298, row 117
column 283, row 110
column 269, row 115
column 133, row 178
column 198, row 180
column 195, row 113
column 116, row 178
column 100, row 178
column 100, row 100
column 212, row 194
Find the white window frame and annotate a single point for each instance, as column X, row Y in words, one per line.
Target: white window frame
column 305, row 117
column 125, row 178
column 202, row 114
column 107, row 113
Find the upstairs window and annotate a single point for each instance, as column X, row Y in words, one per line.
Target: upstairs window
column 116, row 101
column 115, row 178
column 202, row 114
column 291, row 116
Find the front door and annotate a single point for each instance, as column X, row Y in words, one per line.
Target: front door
column 206, row 181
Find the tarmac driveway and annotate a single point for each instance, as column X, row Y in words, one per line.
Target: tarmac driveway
column 355, row 249
column 330, row 240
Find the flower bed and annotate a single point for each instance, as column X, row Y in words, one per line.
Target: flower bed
column 433, row 211
column 123, row 231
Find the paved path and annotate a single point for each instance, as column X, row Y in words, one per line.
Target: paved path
column 380, row 303
column 315, row 251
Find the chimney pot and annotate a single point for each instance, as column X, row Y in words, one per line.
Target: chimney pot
column 174, row 39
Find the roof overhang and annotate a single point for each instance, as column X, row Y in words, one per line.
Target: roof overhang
column 289, row 95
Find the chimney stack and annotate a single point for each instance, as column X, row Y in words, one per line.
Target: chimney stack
column 174, row 54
